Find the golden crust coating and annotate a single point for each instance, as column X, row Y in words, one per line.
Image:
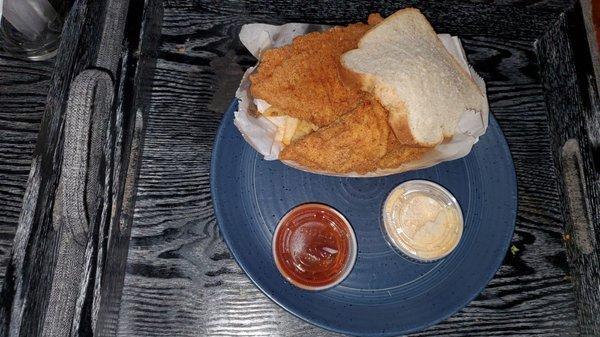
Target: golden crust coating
column 353, row 143
column 306, row 80
column 398, row 154
column 303, row 79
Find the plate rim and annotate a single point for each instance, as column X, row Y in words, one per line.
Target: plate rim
column 217, row 211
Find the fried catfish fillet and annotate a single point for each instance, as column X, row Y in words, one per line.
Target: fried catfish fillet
column 397, row 154
column 353, row 143
column 303, row 79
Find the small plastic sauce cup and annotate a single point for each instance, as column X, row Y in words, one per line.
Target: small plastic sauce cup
column 422, row 220
column 314, row 247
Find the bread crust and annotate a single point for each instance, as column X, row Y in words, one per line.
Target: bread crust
column 398, row 120
column 400, row 127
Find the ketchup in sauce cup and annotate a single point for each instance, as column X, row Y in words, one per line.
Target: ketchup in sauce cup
column 314, row 247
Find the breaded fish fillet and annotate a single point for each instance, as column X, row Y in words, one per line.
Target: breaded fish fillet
column 353, row 143
column 303, row 79
column 398, row 154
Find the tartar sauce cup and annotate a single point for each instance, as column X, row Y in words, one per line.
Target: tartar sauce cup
column 422, row 220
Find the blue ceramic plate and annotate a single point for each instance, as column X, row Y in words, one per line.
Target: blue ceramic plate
column 386, row 293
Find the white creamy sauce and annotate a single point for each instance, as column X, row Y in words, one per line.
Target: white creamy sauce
column 422, row 225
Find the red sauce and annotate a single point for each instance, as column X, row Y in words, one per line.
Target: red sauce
column 314, row 246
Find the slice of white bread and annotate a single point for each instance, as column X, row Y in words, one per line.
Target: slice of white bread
column 402, row 62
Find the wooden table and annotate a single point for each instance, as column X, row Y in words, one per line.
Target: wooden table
column 181, row 279
column 23, row 90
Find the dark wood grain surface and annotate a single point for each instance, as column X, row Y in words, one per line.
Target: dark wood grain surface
column 181, row 279
column 68, row 258
column 574, row 109
column 23, row 89
column 30, row 273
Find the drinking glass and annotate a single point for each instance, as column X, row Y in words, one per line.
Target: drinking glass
column 31, row 28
